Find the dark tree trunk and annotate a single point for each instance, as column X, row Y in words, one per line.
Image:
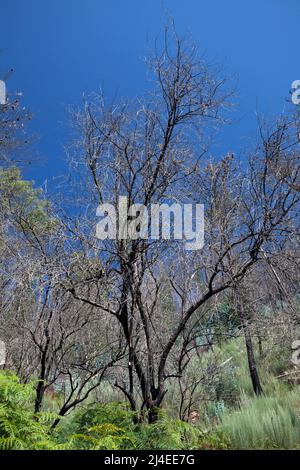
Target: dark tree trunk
column 260, row 346
column 258, row 390
column 153, row 415
column 40, row 391
column 251, row 362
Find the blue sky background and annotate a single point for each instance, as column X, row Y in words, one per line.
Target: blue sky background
column 62, row 48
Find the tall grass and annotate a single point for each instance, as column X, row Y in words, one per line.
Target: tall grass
column 266, row 422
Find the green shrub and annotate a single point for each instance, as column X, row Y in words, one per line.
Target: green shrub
column 167, row 434
column 112, row 427
column 103, row 437
column 117, row 414
column 19, row 427
column 215, row 440
column 95, row 427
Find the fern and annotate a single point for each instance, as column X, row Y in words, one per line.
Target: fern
column 20, row 428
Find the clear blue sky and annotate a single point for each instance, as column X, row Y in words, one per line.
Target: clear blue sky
column 62, row 48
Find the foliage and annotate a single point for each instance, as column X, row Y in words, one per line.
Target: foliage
column 19, row 427
column 215, row 440
column 102, row 437
column 223, row 322
column 112, row 426
column 94, row 415
column 167, row 434
column 23, row 204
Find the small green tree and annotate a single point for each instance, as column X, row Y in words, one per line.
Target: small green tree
column 22, row 204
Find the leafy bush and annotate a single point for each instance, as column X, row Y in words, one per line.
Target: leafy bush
column 117, row 414
column 112, row 427
column 95, row 427
column 103, row 437
column 167, row 434
column 19, row 427
column 214, row 440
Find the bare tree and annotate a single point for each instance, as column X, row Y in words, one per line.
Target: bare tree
column 49, row 336
column 150, row 152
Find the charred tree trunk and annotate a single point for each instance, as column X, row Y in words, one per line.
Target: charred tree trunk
column 154, row 404
column 257, row 388
column 252, row 362
column 40, row 389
